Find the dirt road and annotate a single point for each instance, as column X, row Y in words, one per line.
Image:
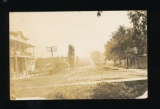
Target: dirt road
column 86, row 75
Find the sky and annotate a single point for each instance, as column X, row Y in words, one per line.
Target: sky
column 82, row 29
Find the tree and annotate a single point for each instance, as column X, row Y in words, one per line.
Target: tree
column 114, row 49
column 97, row 57
column 71, row 55
column 120, row 42
column 139, row 21
column 128, row 43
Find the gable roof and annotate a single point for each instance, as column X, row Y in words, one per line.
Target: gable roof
column 16, row 33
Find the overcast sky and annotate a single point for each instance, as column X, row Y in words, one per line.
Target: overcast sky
column 84, row 30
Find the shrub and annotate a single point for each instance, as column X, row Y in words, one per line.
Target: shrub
column 119, row 90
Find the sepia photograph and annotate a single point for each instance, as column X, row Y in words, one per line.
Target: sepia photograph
column 78, row 55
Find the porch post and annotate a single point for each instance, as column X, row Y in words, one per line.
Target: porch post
column 33, row 50
column 26, row 67
column 16, row 66
column 19, row 47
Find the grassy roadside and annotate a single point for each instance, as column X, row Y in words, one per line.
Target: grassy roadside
column 103, row 90
column 124, row 90
column 43, row 86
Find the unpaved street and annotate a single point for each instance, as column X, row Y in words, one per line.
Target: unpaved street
column 86, row 76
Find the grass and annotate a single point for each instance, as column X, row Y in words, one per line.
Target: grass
column 70, row 92
column 103, row 90
column 124, row 90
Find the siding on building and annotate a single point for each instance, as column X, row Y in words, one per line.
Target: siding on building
column 22, row 60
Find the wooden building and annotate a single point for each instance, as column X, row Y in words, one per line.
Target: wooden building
column 22, row 59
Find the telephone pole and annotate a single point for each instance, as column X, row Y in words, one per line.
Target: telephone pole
column 52, row 49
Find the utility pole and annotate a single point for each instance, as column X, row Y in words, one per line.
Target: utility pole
column 52, row 49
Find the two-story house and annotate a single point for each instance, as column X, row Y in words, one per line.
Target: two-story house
column 22, row 59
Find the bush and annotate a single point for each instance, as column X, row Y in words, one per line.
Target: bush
column 124, row 90
column 57, row 67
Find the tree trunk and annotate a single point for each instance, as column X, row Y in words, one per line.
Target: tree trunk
column 138, row 61
column 127, row 61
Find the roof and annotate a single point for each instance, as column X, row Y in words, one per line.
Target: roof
column 23, row 43
column 22, row 39
column 16, row 33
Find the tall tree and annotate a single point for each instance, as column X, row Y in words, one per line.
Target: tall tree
column 71, row 55
column 139, row 21
column 128, row 43
column 120, row 42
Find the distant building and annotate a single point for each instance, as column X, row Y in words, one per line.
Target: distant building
column 22, row 59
